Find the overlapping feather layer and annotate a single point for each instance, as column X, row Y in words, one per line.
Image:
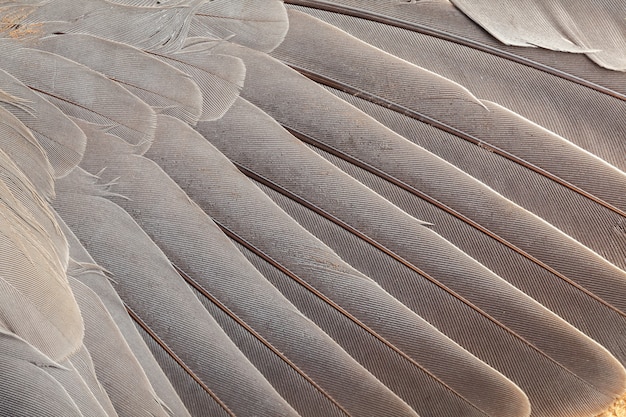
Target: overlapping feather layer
column 237, row 208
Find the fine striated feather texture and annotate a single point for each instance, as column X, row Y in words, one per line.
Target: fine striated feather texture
column 23, row 149
column 162, row 29
column 81, row 92
column 437, row 260
column 441, row 22
column 166, row 89
column 87, row 272
column 197, row 340
column 569, row 26
column 38, row 304
column 260, row 26
column 62, row 140
column 264, row 312
column 26, row 389
column 387, row 228
column 238, row 207
column 219, row 77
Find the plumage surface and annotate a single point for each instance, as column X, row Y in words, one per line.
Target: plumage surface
column 325, row 208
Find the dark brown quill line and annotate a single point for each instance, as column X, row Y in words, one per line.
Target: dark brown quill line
column 401, row 184
column 450, row 37
column 380, row 101
column 267, row 258
column 198, row 287
column 321, row 212
column 177, row 359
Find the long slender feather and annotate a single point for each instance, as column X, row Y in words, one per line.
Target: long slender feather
column 526, row 90
column 230, row 200
column 299, row 280
column 87, row 272
column 37, row 303
column 196, row 340
column 26, row 389
column 441, row 268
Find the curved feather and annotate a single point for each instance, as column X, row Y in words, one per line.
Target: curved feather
column 260, row 26
column 336, row 197
column 525, row 90
column 62, row 140
column 33, row 260
column 115, row 365
column 80, row 91
column 236, row 288
column 220, row 77
column 17, row 141
column 26, row 389
column 416, row 172
column 569, row 26
column 230, row 200
column 166, row 89
column 156, row 300
column 88, row 273
column 161, row 29
column 443, row 20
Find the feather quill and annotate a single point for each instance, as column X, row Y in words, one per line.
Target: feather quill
column 327, row 190
column 156, row 294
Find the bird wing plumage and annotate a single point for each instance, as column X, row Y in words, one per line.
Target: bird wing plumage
column 319, row 208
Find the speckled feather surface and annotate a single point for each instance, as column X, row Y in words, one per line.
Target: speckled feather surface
column 320, row 208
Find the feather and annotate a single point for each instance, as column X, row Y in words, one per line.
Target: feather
column 359, row 256
column 220, row 77
column 260, row 26
column 522, row 89
column 62, row 140
column 228, row 200
column 234, row 280
column 161, row 29
column 577, row 79
column 26, row 389
column 197, row 342
column 116, row 367
column 569, row 26
column 83, row 363
column 81, row 92
column 17, row 141
column 88, row 273
column 329, row 193
column 166, row 89
column 415, row 173
column 442, row 20
column 33, row 262
column 78, row 390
